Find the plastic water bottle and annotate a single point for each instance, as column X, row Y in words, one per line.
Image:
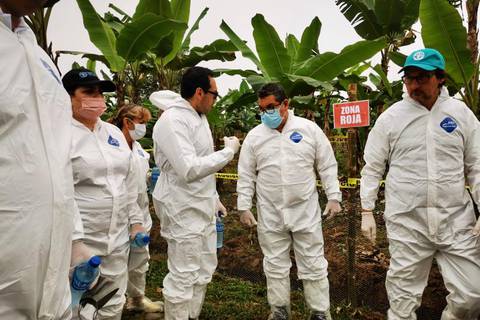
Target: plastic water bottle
column 141, row 240
column 220, row 228
column 83, row 276
column 154, row 178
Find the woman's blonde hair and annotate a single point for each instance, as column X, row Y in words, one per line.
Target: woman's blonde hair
column 131, row 111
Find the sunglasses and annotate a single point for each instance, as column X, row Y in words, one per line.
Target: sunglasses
column 270, row 109
column 420, row 79
column 214, row 93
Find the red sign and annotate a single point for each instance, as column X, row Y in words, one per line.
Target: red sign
column 351, row 114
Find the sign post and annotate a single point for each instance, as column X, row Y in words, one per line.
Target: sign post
column 351, row 115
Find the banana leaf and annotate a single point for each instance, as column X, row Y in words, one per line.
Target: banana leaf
column 271, row 51
column 242, row 47
column 144, row 33
column 181, row 12
column 443, row 30
column 309, row 42
column 362, row 17
column 101, row 35
column 328, row 65
column 158, row 7
column 186, row 41
column 220, row 49
column 292, row 44
column 397, row 58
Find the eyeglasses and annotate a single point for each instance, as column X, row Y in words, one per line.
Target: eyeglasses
column 421, row 78
column 214, row 93
column 270, row 109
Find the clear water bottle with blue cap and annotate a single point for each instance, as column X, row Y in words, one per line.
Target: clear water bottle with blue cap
column 83, row 276
column 141, row 240
column 220, row 228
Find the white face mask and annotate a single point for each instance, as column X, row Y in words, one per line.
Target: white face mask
column 139, row 131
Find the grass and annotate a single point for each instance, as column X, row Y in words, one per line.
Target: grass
column 231, row 298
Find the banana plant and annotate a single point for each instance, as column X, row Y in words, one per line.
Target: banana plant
column 235, row 113
column 442, row 29
column 173, row 53
column 123, row 43
column 154, row 41
column 392, row 19
column 297, row 64
column 38, row 22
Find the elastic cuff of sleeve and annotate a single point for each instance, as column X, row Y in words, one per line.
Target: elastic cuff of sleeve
column 335, row 197
column 366, row 212
column 78, row 237
column 229, row 150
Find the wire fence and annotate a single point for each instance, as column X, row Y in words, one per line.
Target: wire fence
column 357, row 269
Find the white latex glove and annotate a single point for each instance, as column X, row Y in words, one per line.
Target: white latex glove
column 476, row 229
column 221, row 210
column 232, row 143
column 136, row 228
column 332, row 208
column 247, row 218
column 369, row 227
column 80, row 254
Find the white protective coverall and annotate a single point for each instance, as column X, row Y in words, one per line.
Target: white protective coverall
column 106, row 193
column 428, row 211
column 138, row 258
column 280, row 167
column 185, row 200
column 36, row 188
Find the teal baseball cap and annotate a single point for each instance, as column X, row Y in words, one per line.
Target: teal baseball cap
column 426, row 59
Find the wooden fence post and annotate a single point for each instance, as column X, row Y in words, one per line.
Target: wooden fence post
column 351, row 208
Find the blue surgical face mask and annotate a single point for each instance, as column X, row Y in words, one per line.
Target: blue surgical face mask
column 272, row 120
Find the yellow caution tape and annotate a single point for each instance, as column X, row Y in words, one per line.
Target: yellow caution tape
column 227, row 176
column 351, row 183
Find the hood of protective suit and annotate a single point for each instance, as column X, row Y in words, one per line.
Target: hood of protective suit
column 166, row 99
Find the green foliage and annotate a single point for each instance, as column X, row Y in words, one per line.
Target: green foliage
column 243, row 48
column 297, row 64
column 236, row 112
column 374, row 19
column 361, row 17
column 150, row 49
column 443, row 30
column 101, row 35
column 220, row 49
column 274, row 56
column 326, row 66
column 158, row 7
column 143, row 34
column 309, row 43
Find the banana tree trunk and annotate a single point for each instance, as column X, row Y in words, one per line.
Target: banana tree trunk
column 472, row 42
column 472, row 38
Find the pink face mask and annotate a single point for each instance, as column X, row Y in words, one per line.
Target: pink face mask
column 92, row 108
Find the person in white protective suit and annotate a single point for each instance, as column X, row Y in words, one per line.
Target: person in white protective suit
column 431, row 143
column 278, row 161
column 36, row 190
column 105, row 183
column 132, row 120
column 185, row 196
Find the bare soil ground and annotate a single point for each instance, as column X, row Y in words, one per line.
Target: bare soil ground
column 241, row 258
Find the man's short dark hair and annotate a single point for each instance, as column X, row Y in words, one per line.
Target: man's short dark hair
column 193, row 78
column 272, row 89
